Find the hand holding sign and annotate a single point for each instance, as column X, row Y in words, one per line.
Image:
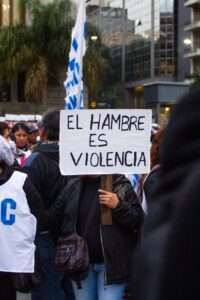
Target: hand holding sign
column 108, row 199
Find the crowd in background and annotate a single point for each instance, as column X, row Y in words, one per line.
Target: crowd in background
column 148, row 251
column 21, row 138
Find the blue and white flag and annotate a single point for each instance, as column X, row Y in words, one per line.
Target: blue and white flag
column 74, row 81
column 135, row 182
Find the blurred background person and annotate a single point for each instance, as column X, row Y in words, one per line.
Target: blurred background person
column 5, row 134
column 20, row 132
column 151, row 179
column 179, row 160
column 179, row 278
column 33, row 134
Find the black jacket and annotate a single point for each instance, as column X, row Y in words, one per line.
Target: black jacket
column 42, row 167
column 180, row 274
column 166, row 253
column 118, row 239
column 43, row 170
column 89, row 217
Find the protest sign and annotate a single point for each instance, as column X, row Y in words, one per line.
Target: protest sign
column 105, row 141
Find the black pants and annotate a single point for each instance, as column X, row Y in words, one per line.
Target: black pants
column 7, row 291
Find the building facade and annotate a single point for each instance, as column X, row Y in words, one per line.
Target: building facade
column 193, row 27
column 154, row 50
column 167, row 39
column 109, row 22
column 158, row 82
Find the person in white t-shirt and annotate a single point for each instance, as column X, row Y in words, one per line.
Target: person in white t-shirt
column 20, row 206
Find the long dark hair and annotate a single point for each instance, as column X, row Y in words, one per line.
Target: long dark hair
column 19, row 126
column 16, row 127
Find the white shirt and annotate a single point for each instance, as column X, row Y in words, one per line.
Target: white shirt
column 17, row 227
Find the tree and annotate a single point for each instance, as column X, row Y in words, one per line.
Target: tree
column 41, row 49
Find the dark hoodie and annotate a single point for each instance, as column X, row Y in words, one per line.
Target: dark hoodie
column 43, row 170
column 180, row 163
column 179, row 157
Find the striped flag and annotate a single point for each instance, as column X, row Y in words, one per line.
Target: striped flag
column 74, row 81
column 135, row 182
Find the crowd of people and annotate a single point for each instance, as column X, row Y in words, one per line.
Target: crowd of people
column 55, row 243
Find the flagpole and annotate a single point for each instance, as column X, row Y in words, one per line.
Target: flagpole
column 74, row 81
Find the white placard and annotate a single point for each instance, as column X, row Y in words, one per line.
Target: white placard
column 105, row 141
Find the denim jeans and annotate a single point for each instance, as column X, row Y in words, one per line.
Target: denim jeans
column 93, row 287
column 51, row 287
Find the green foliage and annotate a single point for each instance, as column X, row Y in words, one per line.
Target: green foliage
column 41, row 49
column 38, row 49
column 36, row 80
